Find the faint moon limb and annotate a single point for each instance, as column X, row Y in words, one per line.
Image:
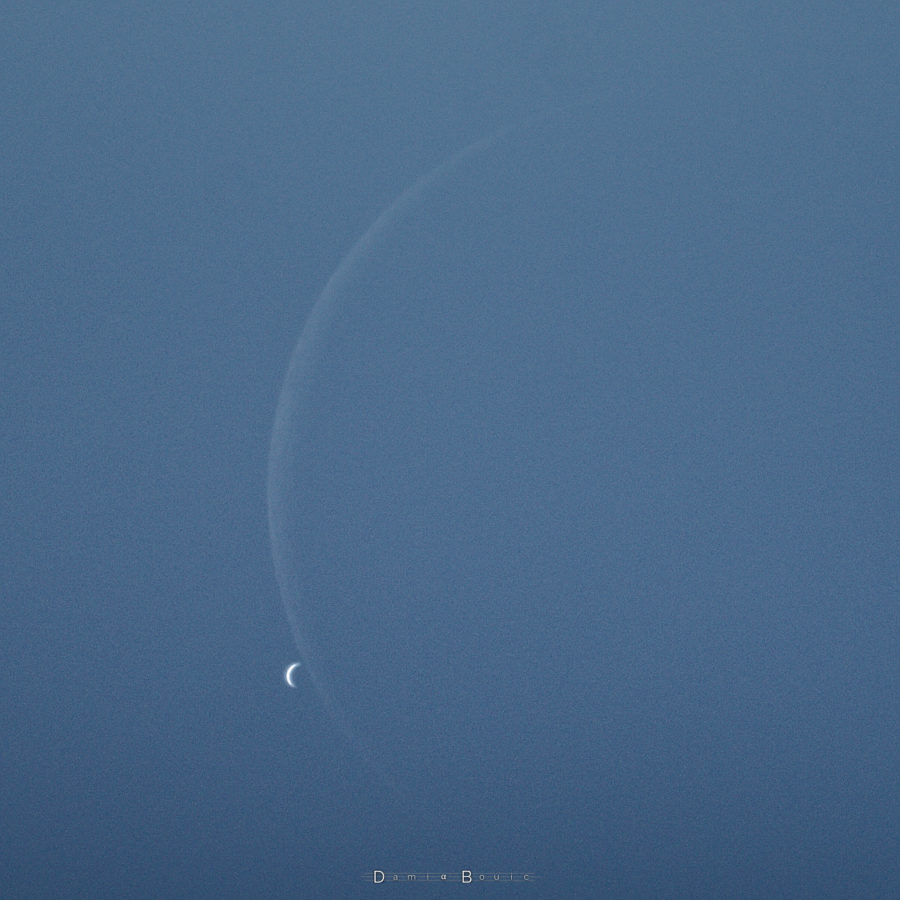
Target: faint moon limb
column 295, row 394
column 289, row 671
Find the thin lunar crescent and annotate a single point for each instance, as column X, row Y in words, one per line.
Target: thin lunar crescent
column 303, row 361
column 298, row 380
column 288, row 672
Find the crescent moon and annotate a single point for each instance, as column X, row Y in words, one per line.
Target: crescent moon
column 290, row 671
column 302, row 363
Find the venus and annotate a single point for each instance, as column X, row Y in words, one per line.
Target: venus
column 289, row 671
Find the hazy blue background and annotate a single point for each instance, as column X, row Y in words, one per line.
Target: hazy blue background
column 718, row 696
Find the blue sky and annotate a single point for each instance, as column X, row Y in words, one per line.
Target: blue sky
column 591, row 521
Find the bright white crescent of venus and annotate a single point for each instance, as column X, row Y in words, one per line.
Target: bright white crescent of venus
column 290, row 671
